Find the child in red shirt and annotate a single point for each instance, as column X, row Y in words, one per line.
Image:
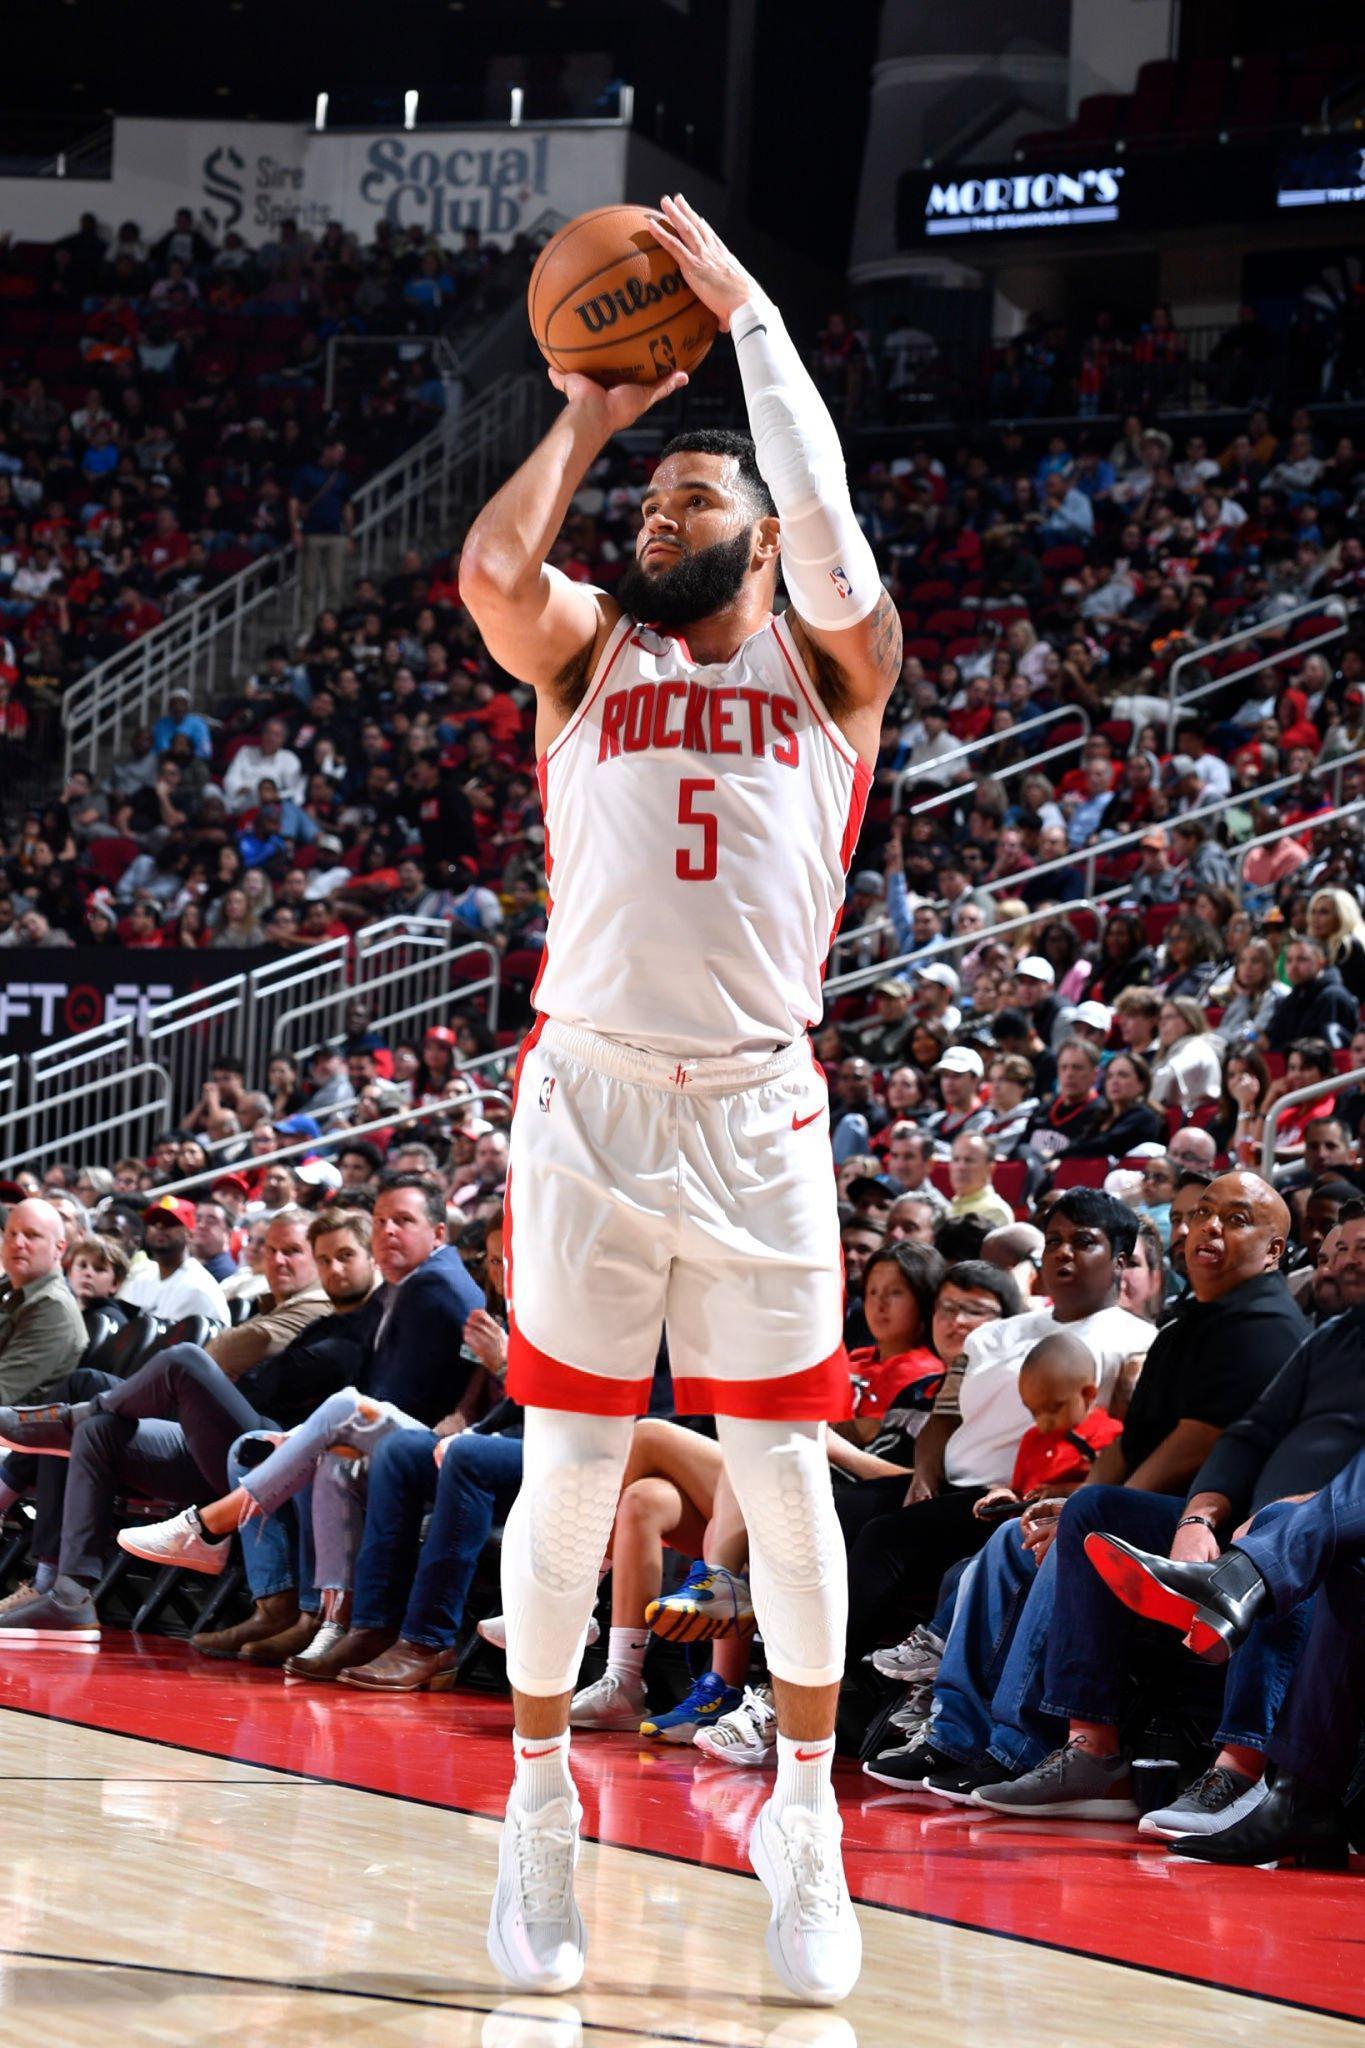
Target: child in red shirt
column 1059, row 1385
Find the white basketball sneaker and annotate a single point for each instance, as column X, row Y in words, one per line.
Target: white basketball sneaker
column 814, row 1941
column 747, row 1734
column 179, row 1541
column 612, row 1703
column 535, row 1931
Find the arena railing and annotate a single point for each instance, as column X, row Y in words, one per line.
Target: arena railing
column 1087, row 857
column 1337, row 606
column 866, row 977
column 124, row 1080
column 206, row 643
column 428, row 1113
column 927, row 770
column 1337, row 1084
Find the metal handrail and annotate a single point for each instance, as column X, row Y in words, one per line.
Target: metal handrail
column 1265, row 627
column 862, row 977
column 1101, row 849
column 1337, row 1084
column 1305, row 825
column 135, row 684
column 1025, row 766
column 927, row 769
column 315, row 1147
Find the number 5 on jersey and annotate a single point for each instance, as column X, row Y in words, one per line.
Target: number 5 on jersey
column 690, row 867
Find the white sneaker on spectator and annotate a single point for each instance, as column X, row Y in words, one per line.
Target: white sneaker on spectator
column 611, row 1703
column 814, row 1942
column 912, row 1662
column 1214, row 1802
column 747, row 1734
column 180, row 1541
column 535, row 1931
column 493, row 1629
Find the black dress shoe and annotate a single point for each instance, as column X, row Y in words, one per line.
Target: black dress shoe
column 1212, row 1605
column 1291, row 1825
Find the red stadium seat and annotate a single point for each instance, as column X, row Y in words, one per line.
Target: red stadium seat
column 1156, row 921
column 1079, row 1173
column 933, row 593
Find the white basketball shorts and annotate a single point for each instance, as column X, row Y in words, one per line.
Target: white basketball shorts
column 696, row 1194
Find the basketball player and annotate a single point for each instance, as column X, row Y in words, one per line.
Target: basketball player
column 704, row 767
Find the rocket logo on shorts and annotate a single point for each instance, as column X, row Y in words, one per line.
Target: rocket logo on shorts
column 547, row 1089
column 841, row 582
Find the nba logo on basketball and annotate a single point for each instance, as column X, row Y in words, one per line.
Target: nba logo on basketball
column 841, row 582
column 547, row 1089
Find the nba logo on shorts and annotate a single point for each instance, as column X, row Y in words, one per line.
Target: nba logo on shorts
column 841, row 582
column 547, row 1089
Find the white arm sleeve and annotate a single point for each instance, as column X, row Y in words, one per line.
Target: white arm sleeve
column 828, row 566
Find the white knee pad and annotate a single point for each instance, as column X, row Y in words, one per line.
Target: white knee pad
column 556, row 1537
column 797, row 1564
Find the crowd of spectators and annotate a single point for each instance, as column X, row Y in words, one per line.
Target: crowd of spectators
column 1047, row 1112
column 164, row 412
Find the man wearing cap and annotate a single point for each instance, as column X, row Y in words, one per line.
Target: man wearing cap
column 1034, row 992
column 1093, row 1021
column 178, row 718
column 169, row 1282
column 959, row 1074
column 1154, row 881
column 936, row 987
column 232, row 1192
column 884, row 1039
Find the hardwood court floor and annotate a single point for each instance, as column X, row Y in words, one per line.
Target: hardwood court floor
column 197, row 1854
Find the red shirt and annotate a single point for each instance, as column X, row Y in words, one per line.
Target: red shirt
column 1047, row 1458
column 920, row 1370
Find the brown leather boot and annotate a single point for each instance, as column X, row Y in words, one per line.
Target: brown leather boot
column 277, row 1650
column 337, row 1650
column 277, row 1611
column 406, row 1667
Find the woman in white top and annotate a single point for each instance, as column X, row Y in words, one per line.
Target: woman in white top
column 1255, row 994
column 1189, row 1069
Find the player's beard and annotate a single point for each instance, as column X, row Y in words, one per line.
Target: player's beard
column 696, row 586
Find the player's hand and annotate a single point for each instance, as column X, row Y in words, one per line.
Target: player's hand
column 611, row 411
column 719, row 280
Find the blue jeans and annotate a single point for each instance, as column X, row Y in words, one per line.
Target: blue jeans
column 277, row 1550
column 1089, row 1644
column 478, row 1474
column 991, row 1602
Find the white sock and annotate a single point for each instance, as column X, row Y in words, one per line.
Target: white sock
column 542, row 1763
column 803, row 1773
column 626, row 1654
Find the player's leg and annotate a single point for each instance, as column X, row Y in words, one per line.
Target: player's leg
column 586, row 1256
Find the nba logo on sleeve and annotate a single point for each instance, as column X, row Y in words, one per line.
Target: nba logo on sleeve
column 547, row 1089
column 841, row 582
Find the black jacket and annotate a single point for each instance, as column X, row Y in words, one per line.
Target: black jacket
column 1307, row 1425
column 1321, row 1008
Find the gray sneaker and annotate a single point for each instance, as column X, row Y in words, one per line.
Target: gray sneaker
column 1216, row 1801
column 48, row 1618
column 1071, row 1784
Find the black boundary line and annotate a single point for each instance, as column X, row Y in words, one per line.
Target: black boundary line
column 312, row 1988
column 696, row 1862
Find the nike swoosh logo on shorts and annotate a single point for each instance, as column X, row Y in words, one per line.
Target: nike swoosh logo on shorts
column 799, row 1122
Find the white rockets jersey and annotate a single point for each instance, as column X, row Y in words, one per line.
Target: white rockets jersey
column 699, row 818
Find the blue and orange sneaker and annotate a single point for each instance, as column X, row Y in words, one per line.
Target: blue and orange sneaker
column 711, row 1602
column 709, row 1698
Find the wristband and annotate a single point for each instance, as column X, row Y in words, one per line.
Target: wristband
column 1198, row 1521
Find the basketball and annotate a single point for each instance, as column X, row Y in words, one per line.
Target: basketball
column 606, row 300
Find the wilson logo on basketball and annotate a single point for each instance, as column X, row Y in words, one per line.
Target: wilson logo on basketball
column 627, row 300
